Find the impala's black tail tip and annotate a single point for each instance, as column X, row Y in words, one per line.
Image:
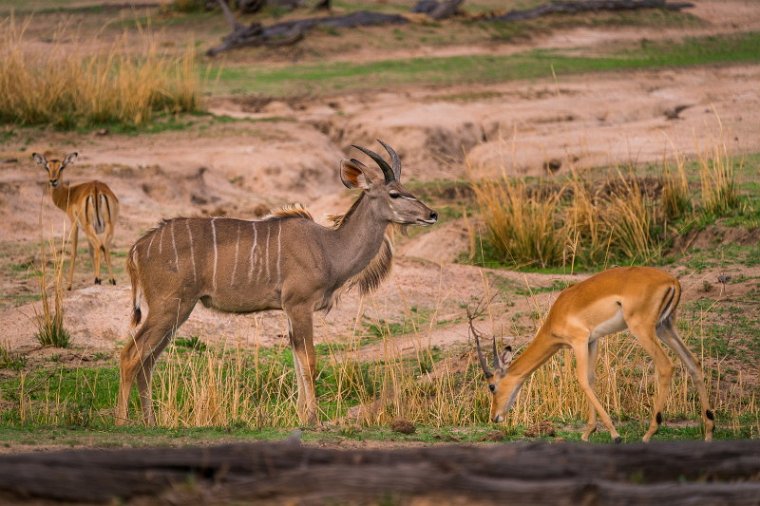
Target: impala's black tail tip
column 618, row 440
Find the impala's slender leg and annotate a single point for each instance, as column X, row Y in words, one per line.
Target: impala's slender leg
column 646, row 336
column 581, row 350
column 107, row 254
column 593, row 352
column 667, row 332
column 95, row 251
column 304, row 358
column 139, row 355
column 74, row 244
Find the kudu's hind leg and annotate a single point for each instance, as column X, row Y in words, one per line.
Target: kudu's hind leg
column 304, row 359
column 667, row 332
column 140, row 354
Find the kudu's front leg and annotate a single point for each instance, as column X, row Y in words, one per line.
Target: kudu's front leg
column 305, row 361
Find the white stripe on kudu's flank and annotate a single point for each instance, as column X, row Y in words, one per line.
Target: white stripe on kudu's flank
column 269, row 229
column 153, row 236
column 279, row 251
column 237, row 250
column 161, row 239
column 174, row 245
column 216, row 252
column 253, row 249
column 192, row 252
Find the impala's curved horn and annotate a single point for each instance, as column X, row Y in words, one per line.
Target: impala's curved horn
column 390, row 176
column 395, row 160
column 496, row 359
column 481, row 358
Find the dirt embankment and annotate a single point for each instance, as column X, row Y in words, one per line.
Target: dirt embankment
column 288, row 151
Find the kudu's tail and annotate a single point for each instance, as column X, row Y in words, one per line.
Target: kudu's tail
column 136, row 288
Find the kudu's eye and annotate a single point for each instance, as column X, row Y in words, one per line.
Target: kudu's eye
column 492, row 387
column 394, row 195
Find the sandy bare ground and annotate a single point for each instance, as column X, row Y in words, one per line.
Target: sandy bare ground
column 244, row 168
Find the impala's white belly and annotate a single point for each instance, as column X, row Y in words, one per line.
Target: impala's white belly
column 614, row 324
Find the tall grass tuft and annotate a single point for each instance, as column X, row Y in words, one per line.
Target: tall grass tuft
column 523, row 226
column 50, row 328
column 64, row 86
column 716, row 174
column 630, row 219
column 676, row 200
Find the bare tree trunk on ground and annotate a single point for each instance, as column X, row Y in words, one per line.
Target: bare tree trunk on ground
column 722, row 472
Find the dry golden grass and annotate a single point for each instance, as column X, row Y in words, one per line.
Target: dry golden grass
column 717, row 182
column 64, row 86
column 50, row 327
column 522, row 226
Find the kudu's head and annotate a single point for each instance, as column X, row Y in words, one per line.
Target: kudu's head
column 54, row 168
column 502, row 385
column 390, row 201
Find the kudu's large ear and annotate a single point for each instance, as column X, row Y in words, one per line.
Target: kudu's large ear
column 71, row 157
column 40, row 159
column 354, row 174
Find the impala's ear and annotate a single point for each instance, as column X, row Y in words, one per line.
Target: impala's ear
column 353, row 173
column 71, row 157
column 40, row 159
column 506, row 356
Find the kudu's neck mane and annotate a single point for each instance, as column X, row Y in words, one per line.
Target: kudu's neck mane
column 370, row 241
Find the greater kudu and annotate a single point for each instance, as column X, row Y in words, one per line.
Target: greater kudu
column 284, row 261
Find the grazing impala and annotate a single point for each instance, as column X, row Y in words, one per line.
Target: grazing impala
column 641, row 299
column 91, row 205
column 285, row 261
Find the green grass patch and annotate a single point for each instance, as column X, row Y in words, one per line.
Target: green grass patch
column 340, row 77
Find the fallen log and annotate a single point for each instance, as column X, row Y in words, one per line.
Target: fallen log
column 725, row 472
column 290, row 32
column 578, row 7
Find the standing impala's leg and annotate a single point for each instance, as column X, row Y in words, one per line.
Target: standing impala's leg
column 107, row 254
column 582, row 363
column 74, row 244
column 304, row 358
column 593, row 352
column 646, row 336
column 667, row 332
column 95, row 251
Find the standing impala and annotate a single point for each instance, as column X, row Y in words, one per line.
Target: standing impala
column 91, row 205
column 641, row 299
column 285, row 261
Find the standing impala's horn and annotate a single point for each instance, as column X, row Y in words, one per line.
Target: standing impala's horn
column 390, row 176
column 395, row 160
